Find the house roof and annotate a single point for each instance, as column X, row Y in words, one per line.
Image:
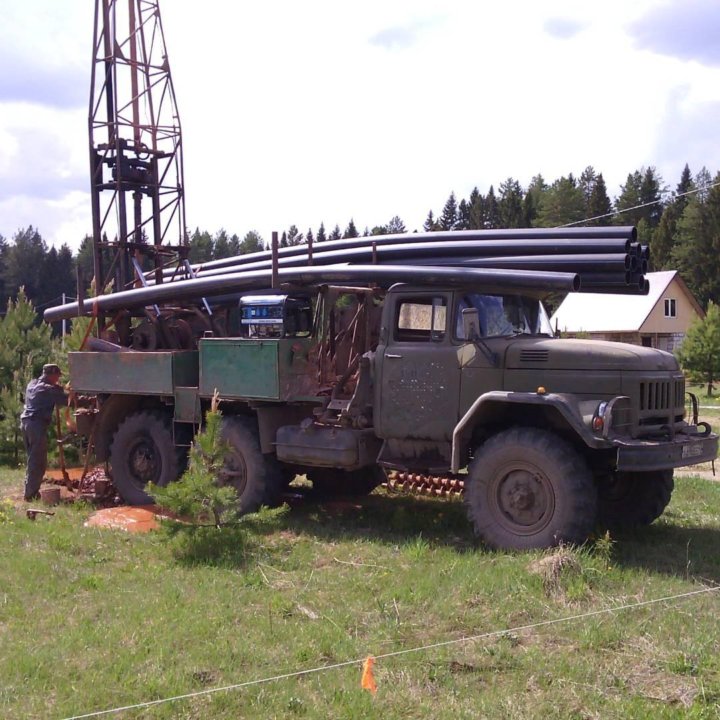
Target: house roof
column 596, row 312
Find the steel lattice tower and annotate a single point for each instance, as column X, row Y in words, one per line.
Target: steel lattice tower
column 136, row 162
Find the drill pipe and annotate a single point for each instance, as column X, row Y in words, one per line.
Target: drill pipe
column 490, row 279
column 408, row 252
column 531, row 235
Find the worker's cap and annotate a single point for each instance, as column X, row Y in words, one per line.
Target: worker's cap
column 51, row 369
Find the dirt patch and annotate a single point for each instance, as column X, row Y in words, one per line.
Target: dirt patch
column 128, row 518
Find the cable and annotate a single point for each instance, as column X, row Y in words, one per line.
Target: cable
column 637, row 207
column 396, row 653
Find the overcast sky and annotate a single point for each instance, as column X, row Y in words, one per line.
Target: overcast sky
column 324, row 110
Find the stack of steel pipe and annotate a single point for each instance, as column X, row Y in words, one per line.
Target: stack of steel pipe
column 545, row 260
column 608, row 259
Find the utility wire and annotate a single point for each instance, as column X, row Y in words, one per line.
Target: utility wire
column 397, row 653
column 643, row 205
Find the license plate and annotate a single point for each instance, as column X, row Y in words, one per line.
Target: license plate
column 692, row 450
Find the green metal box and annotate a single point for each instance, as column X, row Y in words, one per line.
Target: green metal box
column 251, row 369
column 144, row 373
column 239, row 368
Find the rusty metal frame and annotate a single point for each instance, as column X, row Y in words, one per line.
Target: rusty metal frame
column 135, row 144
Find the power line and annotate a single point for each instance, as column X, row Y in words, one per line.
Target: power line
column 643, row 205
column 397, row 653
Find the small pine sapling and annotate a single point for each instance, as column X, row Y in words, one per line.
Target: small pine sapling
column 198, row 497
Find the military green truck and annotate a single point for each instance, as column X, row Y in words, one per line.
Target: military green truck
column 549, row 437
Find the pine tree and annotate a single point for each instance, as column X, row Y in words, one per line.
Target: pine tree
column 430, row 225
column 492, row 214
column 700, row 351
column 696, row 252
column 25, row 259
column 663, row 241
column 651, row 190
column 510, row 205
column 685, row 186
column 628, row 200
column 588, row 179
column 310, row 237
column 25, row 346
column 449, row 217
column 396, row 226
column 321, row 237
column 201, row 247
column 199, row 496
column 294, row 236
column 221, row 245
column 599, row 206
column 252, row 242
column 533, row 199
column 234, row 245
column 335, row 234
column 476, row 210
column 463, row 222
column 563, row 203
column 351, row 230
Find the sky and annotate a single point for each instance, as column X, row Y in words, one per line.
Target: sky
column 325, row 110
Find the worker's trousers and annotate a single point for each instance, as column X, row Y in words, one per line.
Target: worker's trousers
column 36, row 445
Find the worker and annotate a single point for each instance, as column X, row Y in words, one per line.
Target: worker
column 41, row 397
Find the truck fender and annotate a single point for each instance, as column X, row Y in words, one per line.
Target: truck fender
column 486, row 409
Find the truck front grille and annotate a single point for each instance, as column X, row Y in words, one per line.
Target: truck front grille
column 661, row 402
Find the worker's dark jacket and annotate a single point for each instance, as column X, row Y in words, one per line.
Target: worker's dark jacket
column 41, row 397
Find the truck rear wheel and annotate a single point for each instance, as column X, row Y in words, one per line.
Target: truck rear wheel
column 142, row 451
column 633, row 499
column 528, row 488
column 256, row 477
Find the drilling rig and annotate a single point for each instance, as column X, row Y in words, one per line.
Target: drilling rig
column 136, row 162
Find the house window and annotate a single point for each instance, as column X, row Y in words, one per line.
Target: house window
column 670, row 308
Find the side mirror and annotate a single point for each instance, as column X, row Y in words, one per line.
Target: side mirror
column 471, row 323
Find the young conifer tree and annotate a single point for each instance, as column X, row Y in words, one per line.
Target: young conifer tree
column 199, row 497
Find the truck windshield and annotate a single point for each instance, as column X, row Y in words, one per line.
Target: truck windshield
column 504, row 315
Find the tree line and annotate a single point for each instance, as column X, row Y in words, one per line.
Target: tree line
column 681, row 226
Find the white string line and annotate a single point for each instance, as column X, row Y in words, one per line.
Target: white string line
column 647, row 204
column 396, row 653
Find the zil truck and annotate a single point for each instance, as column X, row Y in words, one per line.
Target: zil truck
column 462, row 386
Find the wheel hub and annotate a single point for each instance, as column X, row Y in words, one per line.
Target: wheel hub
column 144, row 461
column 524, row 499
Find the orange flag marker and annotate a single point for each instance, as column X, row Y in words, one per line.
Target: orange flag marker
column 367, row 681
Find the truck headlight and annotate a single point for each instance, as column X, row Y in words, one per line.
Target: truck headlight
column 598, row 421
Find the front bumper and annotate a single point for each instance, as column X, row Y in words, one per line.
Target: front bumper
column 682, row 450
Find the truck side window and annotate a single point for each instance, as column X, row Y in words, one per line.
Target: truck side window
column 421, row 319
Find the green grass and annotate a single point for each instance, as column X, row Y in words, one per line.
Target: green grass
column 93, row 619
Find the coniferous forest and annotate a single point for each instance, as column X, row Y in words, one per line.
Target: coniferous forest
column 679, row 221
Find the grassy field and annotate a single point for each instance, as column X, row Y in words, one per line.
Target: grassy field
column 94, row 619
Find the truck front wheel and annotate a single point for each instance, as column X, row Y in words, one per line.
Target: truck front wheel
column 633, row 499
column 142, row 451
column 256, row 477
column 528, row 488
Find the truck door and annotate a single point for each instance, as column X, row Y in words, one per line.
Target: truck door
column 417, row 380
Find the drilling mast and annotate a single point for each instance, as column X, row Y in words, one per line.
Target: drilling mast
column 136, row 166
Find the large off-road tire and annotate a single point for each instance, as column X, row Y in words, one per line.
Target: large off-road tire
column 331, row 482
column 633, row 499
column 528, row 488
column 257, row 478
column 143, row 451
